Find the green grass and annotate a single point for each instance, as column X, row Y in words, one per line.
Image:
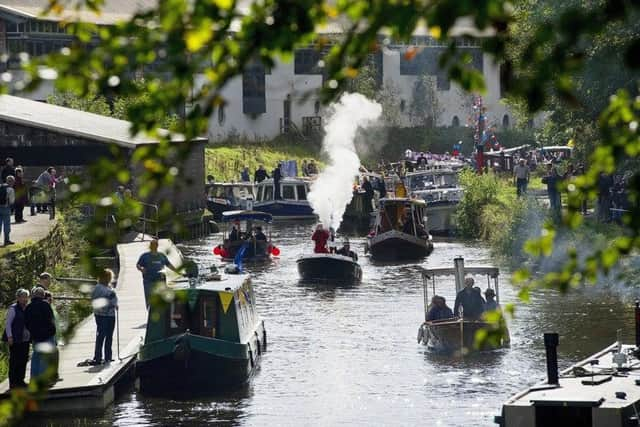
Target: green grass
column 225, row 161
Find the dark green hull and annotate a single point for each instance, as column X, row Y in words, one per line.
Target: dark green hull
column 192, row 364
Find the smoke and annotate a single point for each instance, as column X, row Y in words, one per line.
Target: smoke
column 332, row 191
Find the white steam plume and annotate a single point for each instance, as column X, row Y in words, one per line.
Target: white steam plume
column 332, row 191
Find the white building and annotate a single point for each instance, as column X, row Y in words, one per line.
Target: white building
column 262, row 104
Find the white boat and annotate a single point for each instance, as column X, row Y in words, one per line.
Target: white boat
column 438, row 187
column 292, row 203
column 602, row 390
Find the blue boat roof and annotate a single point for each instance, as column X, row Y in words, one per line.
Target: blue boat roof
column 231, row 216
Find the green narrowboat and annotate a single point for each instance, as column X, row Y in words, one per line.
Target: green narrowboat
column 209, row 338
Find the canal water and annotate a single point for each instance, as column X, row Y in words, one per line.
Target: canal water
column 349, row 356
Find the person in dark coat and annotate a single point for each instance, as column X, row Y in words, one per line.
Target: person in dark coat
column 368, row 194
column 7, row 170
column 22, row 198
column 553, row 179
column 260, row 174
column 277, row 176
column 260, row 235
column 439, row 309
column 470, row 300
column 346, row 251
column 17, row 336
column 40, row 322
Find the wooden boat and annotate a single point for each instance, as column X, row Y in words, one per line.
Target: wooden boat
column 246, row 246
column 329, row 268
column 438, row 187
column 292, row 204
column 209, row 338
column 457, row 334
column 229, row 196
column 390, row 240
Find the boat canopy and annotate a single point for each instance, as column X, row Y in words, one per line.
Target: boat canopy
column 401, row 201
column 231, row 216
column 439, row 272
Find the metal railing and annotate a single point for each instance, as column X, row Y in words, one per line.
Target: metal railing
column 144, row 219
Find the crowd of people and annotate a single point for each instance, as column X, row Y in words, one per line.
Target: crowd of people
column 469, row 303
column 16, row 194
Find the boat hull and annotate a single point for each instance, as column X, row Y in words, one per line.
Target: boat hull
column 441, row 217
column 255, row 253
column 286, row 209
column 452, row 336
column 190, row 364
column 395, row 245
column 329, row 268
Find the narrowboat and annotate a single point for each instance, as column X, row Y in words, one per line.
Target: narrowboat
column 438, row 187
column 208, row 338
column 329, row 268
column 229, row 196
column 359, row 214
column 292, row 202
column 249, row 243
column 599, row 391
column 456, row 335
column 400, row 231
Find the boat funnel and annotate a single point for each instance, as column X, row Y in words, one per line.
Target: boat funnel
column 551, row 344
column 458, row 265
column 637, row 324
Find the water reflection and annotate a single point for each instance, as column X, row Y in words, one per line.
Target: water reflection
column 348, row 355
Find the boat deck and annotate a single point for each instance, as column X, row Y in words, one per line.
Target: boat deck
column 92, row 387
column 595, row 383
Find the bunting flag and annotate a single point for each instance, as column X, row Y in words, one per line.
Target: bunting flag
column 225, row 300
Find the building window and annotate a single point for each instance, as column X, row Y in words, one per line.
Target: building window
column 455, row 122
column 505, row 121
column 316, row 108
column 306, row 61
column 253, row 89
column 402, row 105
column 221, row 115
column 425, row 62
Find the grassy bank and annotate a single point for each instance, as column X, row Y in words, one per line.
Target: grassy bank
column 225, row 160
column 491, row 211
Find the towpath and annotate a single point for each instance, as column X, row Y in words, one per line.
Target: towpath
column 92, row 387
column 36, row 228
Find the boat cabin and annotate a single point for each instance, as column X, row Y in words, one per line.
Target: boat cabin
column 224, row 196
column 219, row 309
column 401, row 214
column 292, row 189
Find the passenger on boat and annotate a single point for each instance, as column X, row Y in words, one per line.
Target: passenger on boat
column 439, row 309
column 407, row 224
column 470, row 300
column 259, row 234
column 261, row 174
column 320, row 236
column 234, row 234
column 346, row 251
column 491, row 304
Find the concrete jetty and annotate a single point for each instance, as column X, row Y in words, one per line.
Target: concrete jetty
column 84, row 388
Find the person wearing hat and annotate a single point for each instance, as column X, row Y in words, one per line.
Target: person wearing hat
column 44, row 281
column 491, row 304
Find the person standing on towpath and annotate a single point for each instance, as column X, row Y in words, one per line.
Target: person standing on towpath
column 150, row 265
column 18, row 338
column 105, row 303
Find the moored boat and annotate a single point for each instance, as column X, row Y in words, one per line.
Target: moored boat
column 208, row 338
column 248, row 242
column 288, row 202
column 329, row 268
column 400, row 231
column 229, row 196
column 599, row 391
column 456, row 334
column 438, row 187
